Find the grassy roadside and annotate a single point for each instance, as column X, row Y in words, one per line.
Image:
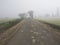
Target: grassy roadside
column 6, row 19
column 55, row 21
column 6, row 25
column 9, row 33
column 52, row 22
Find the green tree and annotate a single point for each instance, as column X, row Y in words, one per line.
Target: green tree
column 31, row 13
column 22, row 15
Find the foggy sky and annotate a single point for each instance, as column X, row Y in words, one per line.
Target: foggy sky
column 11, row 8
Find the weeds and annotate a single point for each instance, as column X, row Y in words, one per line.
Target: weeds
column 9, row 24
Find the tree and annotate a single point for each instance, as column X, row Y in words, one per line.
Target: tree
column 31, row 14
column 22, row 15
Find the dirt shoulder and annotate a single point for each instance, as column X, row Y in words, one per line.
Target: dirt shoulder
column 54, row 31
column 4, row 37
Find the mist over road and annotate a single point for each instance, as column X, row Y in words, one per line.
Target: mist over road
column 32, row 33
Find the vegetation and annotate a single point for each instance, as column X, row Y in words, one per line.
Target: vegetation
column 55, row 21
column 22, row 15
column 6, row 19
column 6, row 25
column 31, row 13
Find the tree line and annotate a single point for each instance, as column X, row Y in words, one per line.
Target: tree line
column 23, row 15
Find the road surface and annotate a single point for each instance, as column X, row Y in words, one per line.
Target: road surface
column 32, row 33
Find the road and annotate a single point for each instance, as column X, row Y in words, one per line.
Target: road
column 32, row 33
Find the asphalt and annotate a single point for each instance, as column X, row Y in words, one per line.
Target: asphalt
column 32, row 33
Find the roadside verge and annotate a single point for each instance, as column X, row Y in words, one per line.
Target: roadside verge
column 4, row 37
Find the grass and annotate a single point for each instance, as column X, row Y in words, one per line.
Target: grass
column 6, row 20
column 8, row 24
column 55, row 21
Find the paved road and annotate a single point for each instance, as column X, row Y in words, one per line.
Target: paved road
column 32, row 33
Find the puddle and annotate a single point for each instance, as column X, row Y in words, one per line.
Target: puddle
column 33, row 37
column 33, row 40
column 22, row 31
column 31, row 31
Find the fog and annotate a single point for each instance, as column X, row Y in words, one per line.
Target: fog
column 11, row 8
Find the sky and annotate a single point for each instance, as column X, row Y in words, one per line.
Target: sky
column 11, row 8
